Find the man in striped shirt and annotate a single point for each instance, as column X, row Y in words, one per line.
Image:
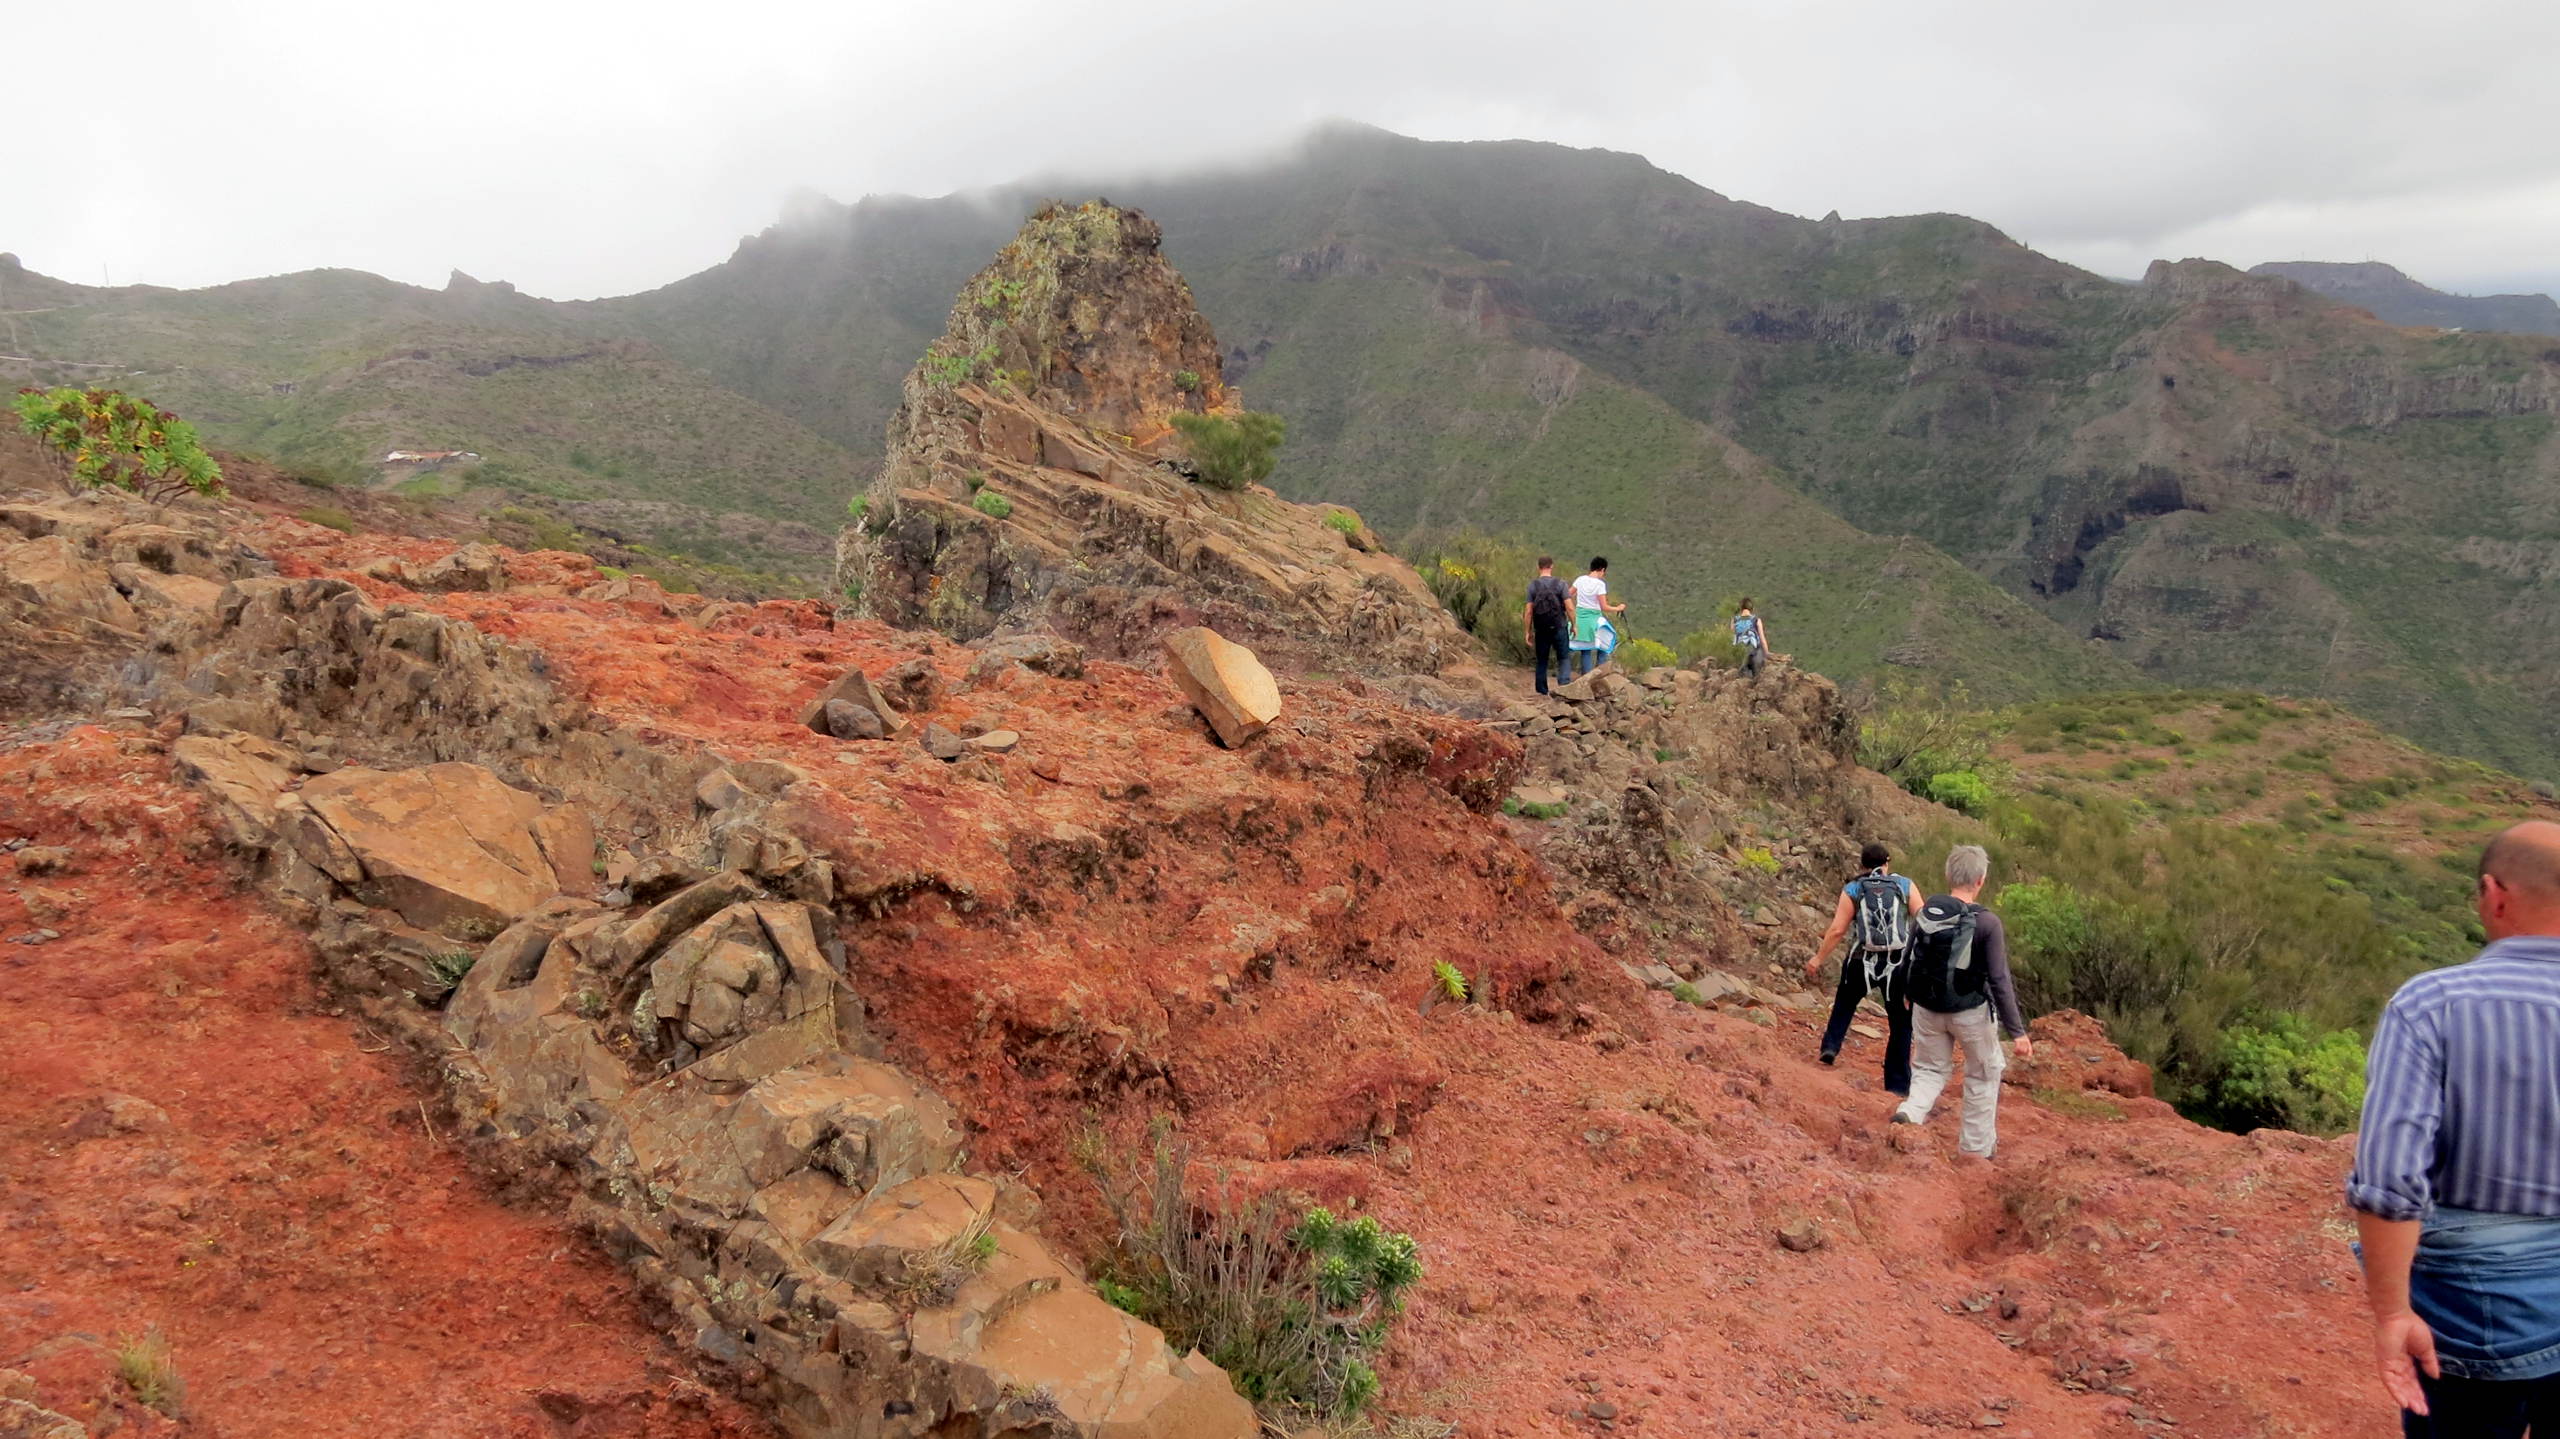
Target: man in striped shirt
column 2456, row 1187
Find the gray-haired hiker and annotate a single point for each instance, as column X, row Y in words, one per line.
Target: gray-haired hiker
column 1960, row 987
column 2456, row 1185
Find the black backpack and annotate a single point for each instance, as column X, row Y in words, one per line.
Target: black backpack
column 1546, row 602
column 1944, row 974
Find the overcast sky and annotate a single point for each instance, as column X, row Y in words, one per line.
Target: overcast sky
column 595, row 149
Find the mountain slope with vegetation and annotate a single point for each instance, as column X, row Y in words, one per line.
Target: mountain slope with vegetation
column 2232, row 883
column 329, row 370
column 1923, row 447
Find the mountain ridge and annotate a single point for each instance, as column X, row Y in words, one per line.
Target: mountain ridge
column 2209, row 478
column 2396, row 299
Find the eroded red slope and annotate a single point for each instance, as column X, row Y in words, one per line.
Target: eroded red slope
column 1124, row 920
column 189, row 1139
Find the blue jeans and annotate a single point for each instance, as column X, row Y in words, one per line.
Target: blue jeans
column 1578, row 663
column 2489, row 1286
column 1553, row 642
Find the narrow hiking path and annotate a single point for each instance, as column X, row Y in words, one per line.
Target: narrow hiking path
column 191, row 1140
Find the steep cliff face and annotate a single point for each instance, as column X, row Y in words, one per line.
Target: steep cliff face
column 1034, row 480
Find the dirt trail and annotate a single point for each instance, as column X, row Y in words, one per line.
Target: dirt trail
column 190, row 1140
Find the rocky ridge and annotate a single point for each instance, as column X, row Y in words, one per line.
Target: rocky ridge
column 1033, row 481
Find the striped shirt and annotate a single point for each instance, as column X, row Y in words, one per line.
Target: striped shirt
column 2462, row 1089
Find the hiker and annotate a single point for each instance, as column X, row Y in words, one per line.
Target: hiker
column 2456, row 1184
column 1548, row 620
column 1959, row 985
column 1753, row 636
column 1881, row 906
column 1594, row 638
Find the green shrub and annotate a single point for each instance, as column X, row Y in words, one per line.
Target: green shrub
column 1911, row 735
column 2282, row 1074
column 1638, row 655
column 857, row 508
column 1295, row 1313
column 329, row 516
column 1758, row 860
column 1482, row 582
column 977, row 481
column 104, row 439
column 1687, row 993
column 1187, row 381
column 1961, row 790
column 1342, row 522
column 1233, row 451
column 992, row 505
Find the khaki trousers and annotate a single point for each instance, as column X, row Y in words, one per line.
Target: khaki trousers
column 1934, row 1038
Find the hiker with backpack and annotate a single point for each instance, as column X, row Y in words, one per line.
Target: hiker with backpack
column 1549, row 618
column 1880, row 907
column 1961, row 995
column 1753, row 636
column 1594, row 638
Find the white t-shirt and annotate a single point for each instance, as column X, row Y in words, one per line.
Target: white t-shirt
column 1587, row 590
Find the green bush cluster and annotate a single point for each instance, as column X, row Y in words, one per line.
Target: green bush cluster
column 1482, row 582
column 1342, row 522
column 992, row 505
column 1295, row 1313
column 2284, row 1074
column 1233, row 451
column 1638, row 655
column 1961, row 790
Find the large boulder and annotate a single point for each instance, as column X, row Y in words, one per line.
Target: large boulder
column 1223, row 681
column 449, row 847
column 855, row 688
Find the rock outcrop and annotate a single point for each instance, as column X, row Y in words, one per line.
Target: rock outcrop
column 694, row 1068
column 1033, row 480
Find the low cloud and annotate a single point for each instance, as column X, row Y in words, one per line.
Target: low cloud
column 583, row 150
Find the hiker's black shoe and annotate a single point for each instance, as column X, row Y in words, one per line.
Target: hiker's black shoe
column 1901, row 1118
column 1831, row 1056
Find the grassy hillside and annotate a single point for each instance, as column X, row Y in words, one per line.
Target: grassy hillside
column 327, row 371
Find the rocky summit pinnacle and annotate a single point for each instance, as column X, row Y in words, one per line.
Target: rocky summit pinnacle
column 1035, row 479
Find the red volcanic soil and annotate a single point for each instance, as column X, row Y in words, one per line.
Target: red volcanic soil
column 1121, row 920
column 189, row 1140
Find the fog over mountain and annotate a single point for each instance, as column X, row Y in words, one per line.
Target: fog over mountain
column 579, row 150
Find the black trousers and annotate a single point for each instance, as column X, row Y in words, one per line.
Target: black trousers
column 1551, row 641
column 2486, row 1409
column 1896, row 999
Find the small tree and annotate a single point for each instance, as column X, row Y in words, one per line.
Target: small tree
column 1233, row 451
column 109, row 438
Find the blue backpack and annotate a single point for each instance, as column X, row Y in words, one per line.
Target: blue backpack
column 1746, row 631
